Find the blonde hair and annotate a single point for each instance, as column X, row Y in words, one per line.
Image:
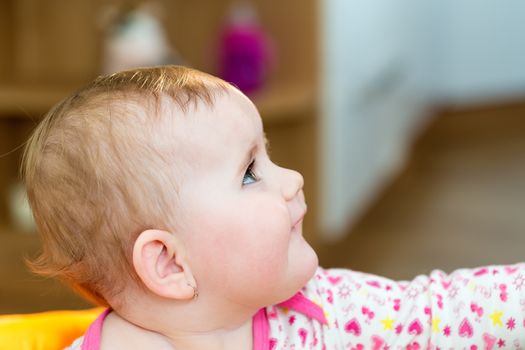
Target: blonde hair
column 95, row 179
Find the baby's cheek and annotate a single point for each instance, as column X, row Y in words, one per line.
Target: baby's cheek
column 243, row 249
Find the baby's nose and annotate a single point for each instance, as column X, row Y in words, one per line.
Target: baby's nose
column 293, row 183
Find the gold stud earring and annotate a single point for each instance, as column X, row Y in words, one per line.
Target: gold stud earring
column 195, row 291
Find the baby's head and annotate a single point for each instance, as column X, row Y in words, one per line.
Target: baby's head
column 158, row 180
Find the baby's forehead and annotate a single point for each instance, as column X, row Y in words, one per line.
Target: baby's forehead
column 229, row 115
column 202, row 133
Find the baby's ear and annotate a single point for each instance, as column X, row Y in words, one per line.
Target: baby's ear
column 160, row 262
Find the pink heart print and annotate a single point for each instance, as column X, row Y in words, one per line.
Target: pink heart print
column 330, row 297
column 303, row 333
column 353, row 327
column 510, row 270
column 414, row 346
column 415, row 327
column 481, row 272
column 489, row 341
column 334, row 280
column 465, row 329
column 428, row 311
column 397, row 304
column 476, row 309
column 503, row 292
column 366, row 311
column 446, row 284
column 440, row 301
column 374, row 284
column 377, row 342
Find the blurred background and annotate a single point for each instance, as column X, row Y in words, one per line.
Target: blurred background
column 406, row 118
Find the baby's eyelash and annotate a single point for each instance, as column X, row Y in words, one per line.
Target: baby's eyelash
column 249, row 175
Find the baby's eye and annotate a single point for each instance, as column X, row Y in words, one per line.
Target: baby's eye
column 249, row 176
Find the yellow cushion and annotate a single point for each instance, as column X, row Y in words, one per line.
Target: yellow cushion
column 51, row 330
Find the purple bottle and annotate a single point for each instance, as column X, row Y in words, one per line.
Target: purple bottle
column 245, row 50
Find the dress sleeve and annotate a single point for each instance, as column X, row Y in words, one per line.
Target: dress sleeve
column 481, row 308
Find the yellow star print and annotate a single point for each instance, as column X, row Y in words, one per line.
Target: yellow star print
column 435, row 324
column 388, row 323
column 496, row 318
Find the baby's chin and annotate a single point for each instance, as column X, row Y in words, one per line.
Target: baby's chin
column 304, row 268
column 314, row 265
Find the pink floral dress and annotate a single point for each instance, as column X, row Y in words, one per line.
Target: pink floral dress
column 340, row 309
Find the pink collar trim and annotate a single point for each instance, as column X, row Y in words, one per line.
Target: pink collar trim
column 93, row 334
column 299, row 303
column 302, row 304
column 260, row 324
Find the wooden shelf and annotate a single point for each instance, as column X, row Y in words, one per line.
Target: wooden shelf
column 28, row 101
column 276, row 104
column 285, row 103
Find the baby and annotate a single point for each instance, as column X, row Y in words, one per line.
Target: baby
column 154, row 196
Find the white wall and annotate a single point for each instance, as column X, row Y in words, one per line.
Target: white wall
column 480, row 50
column 373, row 93
column 384, row 63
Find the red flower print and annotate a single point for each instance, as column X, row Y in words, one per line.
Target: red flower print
column 446, row 331
column 501, row 343
column 511, row 324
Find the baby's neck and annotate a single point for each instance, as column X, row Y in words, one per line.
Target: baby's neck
column 118, row 333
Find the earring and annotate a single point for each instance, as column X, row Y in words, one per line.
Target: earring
column 195, row 291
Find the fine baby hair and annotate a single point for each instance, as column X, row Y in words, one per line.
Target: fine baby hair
column 94, row 168
column 154, row 196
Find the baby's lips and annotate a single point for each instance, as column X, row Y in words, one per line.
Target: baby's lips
column 300, row 217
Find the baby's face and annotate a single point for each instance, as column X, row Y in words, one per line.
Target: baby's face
column 241, row 215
